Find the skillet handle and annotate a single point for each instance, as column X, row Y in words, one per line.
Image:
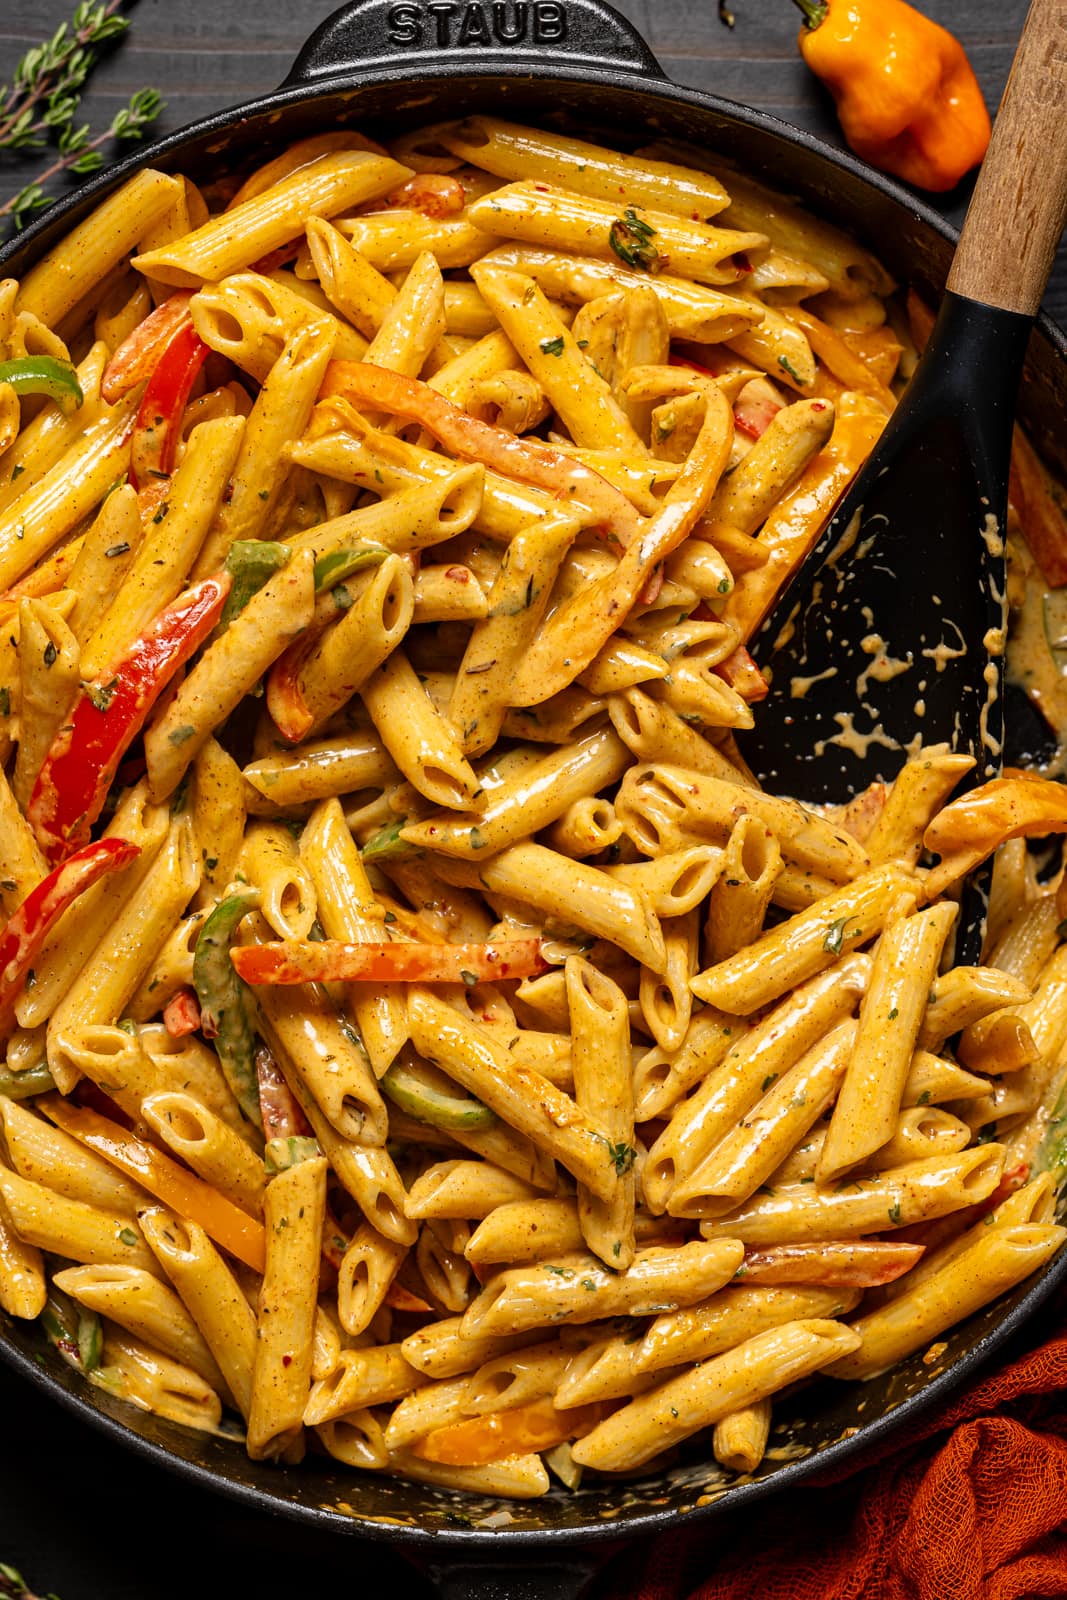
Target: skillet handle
column 1019, row 206
column 528, row 1576
column 470, row 34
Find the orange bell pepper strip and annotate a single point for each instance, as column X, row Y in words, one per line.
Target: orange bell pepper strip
column 331, row 961
column 78, row 770
column 230, row 1227
column 478, row 1440
column 528, row 460
column 907, row 98
column 969, row 829
column 742, row 674
column 29, row 926
column 1039, row 503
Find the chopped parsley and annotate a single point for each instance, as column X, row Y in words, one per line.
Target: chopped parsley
column 622, row 1156
column 553, row 347
column 180, row 735
column 787, row 366
column 117, row 550
column 127, row 1236
column 894, row 1212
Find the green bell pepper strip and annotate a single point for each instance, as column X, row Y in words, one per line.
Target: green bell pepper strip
column 251, row 563
column 282, row 1153
column 341, row 564
column 412, row 1092
column 75, row 1332
column 21, row 1085
column 45, row 375
column 224, row 1001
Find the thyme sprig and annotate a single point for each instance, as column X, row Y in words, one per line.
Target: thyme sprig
column 38, row 107
column 13, row 1586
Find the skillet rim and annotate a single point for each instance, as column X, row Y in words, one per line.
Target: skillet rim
column 35, row 241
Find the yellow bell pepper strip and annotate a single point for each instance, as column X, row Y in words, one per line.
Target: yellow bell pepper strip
column 230, row 1227
column 31, row 923
column 44, row 375
column 78, row 770
column 476, row 1441
column 223, row 1000
column 906, row 95
column 332, row 961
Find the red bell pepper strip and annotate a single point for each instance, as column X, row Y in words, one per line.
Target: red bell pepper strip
column 742, row 674
column 834, row 1263
column 331, row 961
column 181, row 1014
column 80, row 767
column 158, row 425
column 751, row 417
column 285, row 700
column 30, row 925
column 137, row 355
column 282, row 1116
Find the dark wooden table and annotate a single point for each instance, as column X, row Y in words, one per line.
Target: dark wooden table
column 78, row 1515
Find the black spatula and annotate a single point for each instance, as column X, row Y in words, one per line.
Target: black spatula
column 908, row 577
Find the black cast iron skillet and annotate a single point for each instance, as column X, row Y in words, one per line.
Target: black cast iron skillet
column 576, row 64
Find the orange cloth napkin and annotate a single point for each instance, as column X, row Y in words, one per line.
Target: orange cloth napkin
column 969, row 1504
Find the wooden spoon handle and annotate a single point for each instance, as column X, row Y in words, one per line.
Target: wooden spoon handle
column 1019, row 206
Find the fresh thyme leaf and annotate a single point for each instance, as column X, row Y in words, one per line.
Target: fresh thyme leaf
column 39, row 105
column 631, row 239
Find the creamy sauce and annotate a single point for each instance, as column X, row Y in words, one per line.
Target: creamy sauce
column 883, row 667
column 798, row 687
column 850, row 738
column 942, row 653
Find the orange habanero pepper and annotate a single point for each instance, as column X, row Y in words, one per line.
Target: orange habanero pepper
column 907, row 98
